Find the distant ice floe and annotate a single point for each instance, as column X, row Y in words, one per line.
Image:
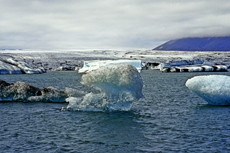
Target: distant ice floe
column 189, row 68
column 215, row 89
column 195, row 65
column 120, row 85
column 169, row 64
column 95, row 64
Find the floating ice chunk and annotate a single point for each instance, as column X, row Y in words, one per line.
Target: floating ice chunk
column 23, row 92
column 120, row 85
column 93, row 65
column 219, row 68
column 19, row 91
column 215, row 89
column 191, row 69
column 195, row 69
column 207, row 68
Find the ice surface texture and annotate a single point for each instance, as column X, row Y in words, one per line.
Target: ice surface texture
column 215, row 89
column 93, row 65
column 119, row 85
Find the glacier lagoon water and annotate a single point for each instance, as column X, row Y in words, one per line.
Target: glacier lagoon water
column 169, row 119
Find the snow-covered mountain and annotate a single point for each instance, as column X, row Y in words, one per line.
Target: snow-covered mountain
column 197, row 44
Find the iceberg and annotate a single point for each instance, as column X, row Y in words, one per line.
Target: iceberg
column 23, row 92
column 187, row 69
column 207, row 68
column 95, row 64
column 193, row 69
column 215, row 89
column 119, row 84
column 19, row 91
column 220, row 68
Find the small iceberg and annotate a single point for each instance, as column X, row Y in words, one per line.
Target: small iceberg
column 215, row 89
column 19, row 91
column 119, row 84
column 23, row 92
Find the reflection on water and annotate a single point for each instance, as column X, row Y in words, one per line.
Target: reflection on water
column 169, row 119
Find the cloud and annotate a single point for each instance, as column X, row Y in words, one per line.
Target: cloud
column 74, row 24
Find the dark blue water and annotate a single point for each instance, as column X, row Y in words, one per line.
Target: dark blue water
column 169, row 119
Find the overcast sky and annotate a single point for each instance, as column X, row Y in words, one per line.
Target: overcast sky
column 111, row 24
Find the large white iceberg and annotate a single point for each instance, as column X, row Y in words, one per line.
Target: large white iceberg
column 119, row 85
column 93, row 65
column 215, row 89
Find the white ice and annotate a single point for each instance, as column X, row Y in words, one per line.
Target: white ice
column 9, row 69
column 24, row 67
column 93, row 65
column 120, row 85
column 215, row 89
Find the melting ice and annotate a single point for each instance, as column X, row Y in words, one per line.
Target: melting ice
column 215, row 89
column 119, row 85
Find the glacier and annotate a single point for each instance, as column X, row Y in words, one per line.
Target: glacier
column 25, row 68
column 42, row 61
column 215, row 89
column 9, row 69
column 119, row 84
column 95, row 64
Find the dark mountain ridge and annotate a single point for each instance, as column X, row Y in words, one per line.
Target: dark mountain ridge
column 197, row 44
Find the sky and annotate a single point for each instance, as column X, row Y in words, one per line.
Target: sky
column 111, row 24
